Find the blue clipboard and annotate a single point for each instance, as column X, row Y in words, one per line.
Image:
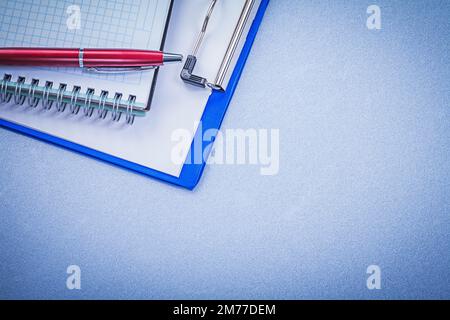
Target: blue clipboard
column 212, row 118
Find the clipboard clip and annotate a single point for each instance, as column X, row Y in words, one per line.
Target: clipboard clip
column 219, row 84
column 187, row 73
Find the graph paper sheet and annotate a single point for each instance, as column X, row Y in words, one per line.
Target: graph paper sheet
column 135, row 24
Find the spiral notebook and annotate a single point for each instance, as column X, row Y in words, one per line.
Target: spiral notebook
column 39, row 95
column 89, row 24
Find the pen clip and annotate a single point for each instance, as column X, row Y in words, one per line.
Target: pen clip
column 111, row 70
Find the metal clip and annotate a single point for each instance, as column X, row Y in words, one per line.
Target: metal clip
column 187, row 73
column 224, row 71
column 115, row 70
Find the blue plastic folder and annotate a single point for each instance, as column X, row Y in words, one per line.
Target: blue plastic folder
column 212, row 119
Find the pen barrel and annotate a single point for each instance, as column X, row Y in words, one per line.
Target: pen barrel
column 121, row 58
column 39, row 57
column 59, row 57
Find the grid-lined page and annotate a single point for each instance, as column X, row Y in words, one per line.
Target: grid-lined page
column 134, row 24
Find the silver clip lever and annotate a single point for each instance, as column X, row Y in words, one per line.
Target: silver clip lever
column 188, row 69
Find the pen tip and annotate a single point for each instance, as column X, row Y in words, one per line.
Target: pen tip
column 172, row 57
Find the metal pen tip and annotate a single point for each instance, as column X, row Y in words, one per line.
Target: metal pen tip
column 172, row 57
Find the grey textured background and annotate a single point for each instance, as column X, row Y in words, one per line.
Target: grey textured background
column 364, row 179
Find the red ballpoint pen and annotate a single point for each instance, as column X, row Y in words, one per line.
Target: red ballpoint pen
column 100, row 60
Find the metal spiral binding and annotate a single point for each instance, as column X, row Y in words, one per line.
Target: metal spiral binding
column 33, row 101
column 5, row 96
column 74, row 107
column 102, row 112
column 46, row 102
column 88, row 110
column 60, row 104
column 61, row 98
column 130, row 105
column 115, row 115
column 19, row 99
